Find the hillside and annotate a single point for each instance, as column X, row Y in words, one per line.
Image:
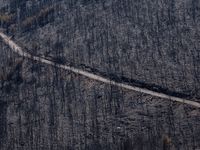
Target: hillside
column 149, row 44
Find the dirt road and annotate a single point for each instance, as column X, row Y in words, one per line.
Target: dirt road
column 18, row 50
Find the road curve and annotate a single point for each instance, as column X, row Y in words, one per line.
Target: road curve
column 18, row 50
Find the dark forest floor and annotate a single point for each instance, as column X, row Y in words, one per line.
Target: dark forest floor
column 51, row 108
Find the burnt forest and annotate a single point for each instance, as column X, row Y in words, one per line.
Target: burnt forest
column 99, row 74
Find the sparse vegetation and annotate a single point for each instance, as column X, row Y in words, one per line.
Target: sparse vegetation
column 27, row 24
column 40, row 19
column 165, row 142
column 6, row 20
column 12, row 29
column 43, row 16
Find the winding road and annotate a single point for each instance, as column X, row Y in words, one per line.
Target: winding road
column 18, row 50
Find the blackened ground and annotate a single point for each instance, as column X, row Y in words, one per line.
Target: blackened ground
column 56, row 109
